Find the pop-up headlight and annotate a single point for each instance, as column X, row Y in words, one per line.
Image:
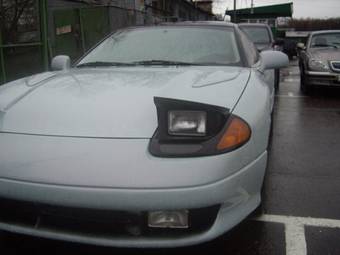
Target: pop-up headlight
column 192, row 129
column 187, row 123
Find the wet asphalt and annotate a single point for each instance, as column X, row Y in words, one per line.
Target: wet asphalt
column 302, row 179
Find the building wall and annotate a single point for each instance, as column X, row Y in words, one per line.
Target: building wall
column 204, row 5
column 120, row 18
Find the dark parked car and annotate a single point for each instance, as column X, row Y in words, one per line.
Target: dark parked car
column 262, row 36
column 319, row 60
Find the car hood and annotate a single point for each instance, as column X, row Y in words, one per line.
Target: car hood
column 325, row 53
column 111, row 102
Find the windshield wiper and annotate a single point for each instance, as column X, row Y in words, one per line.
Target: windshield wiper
column 325, row 45
column 163, row 63
column 103, row 64
column 142, row 62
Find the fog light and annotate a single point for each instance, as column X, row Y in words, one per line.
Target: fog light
column 168, row 219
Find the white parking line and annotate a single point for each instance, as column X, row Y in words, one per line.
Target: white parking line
column 294, row 230
column 295, row 239
column 315, row 222
column 289, row 80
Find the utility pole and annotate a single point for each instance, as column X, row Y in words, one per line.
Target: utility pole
column 234, row 19
column 252, row 7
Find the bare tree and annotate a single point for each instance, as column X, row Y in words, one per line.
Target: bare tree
column 16, row 15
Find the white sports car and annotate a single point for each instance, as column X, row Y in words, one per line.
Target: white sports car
column 156, row 138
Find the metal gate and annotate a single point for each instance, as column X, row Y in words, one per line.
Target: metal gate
column 23, row 38
column 24, row 45
column 33, row 31
column 94, row 31
column 68, row 33
column 78, row 29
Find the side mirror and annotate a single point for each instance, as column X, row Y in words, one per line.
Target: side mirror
column 60, row 63
column 301, row 46
column 273, row 60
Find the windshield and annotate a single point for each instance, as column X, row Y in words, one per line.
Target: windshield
column 257, row 34
column 167, row 45
column 326, row 40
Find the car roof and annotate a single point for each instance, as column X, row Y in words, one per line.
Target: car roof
column 324, row 32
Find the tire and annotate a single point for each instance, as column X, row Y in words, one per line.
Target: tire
column 304, row 87
column 277, row 79
column 259, row 210
column 270, row 137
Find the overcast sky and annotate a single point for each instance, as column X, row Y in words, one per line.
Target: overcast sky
column 302, row 8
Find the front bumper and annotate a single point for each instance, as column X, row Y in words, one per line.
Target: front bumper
column 322, row 78
column 237, row 196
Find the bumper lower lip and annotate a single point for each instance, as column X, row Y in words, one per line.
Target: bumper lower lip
column 326, row 74
column 226, row 219
column 238, row 194
column 322, row 78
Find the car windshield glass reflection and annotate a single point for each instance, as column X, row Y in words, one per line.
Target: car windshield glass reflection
column 167, row 46
column 326, row 40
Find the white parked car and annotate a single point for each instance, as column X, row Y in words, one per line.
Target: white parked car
column 156, row 138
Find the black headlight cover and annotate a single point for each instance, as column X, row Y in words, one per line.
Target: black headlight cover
column 162, row 144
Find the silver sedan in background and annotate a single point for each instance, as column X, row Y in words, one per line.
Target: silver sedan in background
column 156, row 138
column 319, row 60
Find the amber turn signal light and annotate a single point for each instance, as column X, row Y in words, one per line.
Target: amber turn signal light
column 237, row 133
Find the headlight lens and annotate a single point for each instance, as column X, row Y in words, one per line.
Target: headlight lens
column 187, row 123
column 318, row 65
